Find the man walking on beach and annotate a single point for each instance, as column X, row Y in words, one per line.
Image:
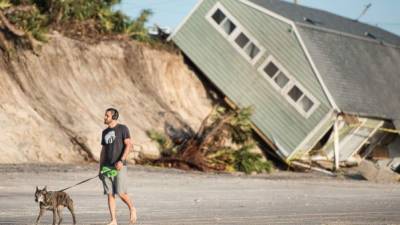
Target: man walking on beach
column 116, row 144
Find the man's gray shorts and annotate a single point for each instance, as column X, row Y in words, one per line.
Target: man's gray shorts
column 117, row 184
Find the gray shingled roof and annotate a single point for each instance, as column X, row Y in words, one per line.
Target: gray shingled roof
column 362, row 75
column 324, row 19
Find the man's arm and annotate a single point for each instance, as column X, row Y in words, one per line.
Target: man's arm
column 127, row 149
column 102, row 157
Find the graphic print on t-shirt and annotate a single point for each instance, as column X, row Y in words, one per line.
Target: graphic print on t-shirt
column 109, row 137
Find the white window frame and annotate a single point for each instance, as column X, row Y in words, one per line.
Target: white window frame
column 285, row 90
column 239, row 29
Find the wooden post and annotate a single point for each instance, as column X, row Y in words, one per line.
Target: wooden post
column 336, row 143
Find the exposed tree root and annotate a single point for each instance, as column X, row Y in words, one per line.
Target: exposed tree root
column 7, row 27
column 208, row 148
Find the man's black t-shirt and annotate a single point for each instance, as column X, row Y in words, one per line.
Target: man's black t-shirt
column 113, row 141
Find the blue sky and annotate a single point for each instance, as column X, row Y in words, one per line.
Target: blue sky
column 383, row 13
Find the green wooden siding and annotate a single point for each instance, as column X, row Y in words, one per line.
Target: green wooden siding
column 319, row 133
column 241, row 82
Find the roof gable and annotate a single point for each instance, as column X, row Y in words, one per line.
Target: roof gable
column 360, row 73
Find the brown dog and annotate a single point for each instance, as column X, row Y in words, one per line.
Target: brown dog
column 54, row 201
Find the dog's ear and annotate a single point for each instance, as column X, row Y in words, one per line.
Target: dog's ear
column 37, row 189
column 45, row 188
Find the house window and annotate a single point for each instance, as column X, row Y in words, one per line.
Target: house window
column 218, row 16
column 281, row 80
column 249, row 47
column 288, row 87
column 276, row 76
column 306, row 103
column 271, row 69
column 228, row 26
column 295, row 93
column 301, row 99
column 241, row 40
column 252, row 50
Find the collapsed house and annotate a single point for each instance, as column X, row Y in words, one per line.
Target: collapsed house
column 324, row 87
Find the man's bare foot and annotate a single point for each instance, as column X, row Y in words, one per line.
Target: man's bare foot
column 133, row 217
column 113, row 223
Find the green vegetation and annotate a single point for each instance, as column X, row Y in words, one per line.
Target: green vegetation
column 30, row 20
column 224, row 142
column 249, row 162
column 165, row 145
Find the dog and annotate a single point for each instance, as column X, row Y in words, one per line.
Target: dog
column 54, row 201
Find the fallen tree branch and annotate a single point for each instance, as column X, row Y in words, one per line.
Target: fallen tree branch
column 176, row 160
column 216, row 129
column 19, row 8
column 13, row 29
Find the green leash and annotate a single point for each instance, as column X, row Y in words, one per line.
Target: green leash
column 105, row 170
column 109, row 171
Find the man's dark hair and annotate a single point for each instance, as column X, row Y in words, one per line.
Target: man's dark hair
column 114, row 113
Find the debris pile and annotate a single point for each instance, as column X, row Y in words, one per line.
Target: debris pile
column 222, row 143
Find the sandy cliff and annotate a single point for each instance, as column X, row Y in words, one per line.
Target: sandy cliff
column 52, row 105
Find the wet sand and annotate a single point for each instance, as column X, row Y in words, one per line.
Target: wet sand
column 165, row 196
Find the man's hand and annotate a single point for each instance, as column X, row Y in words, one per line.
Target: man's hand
column 101, row 176
column 119, row 165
